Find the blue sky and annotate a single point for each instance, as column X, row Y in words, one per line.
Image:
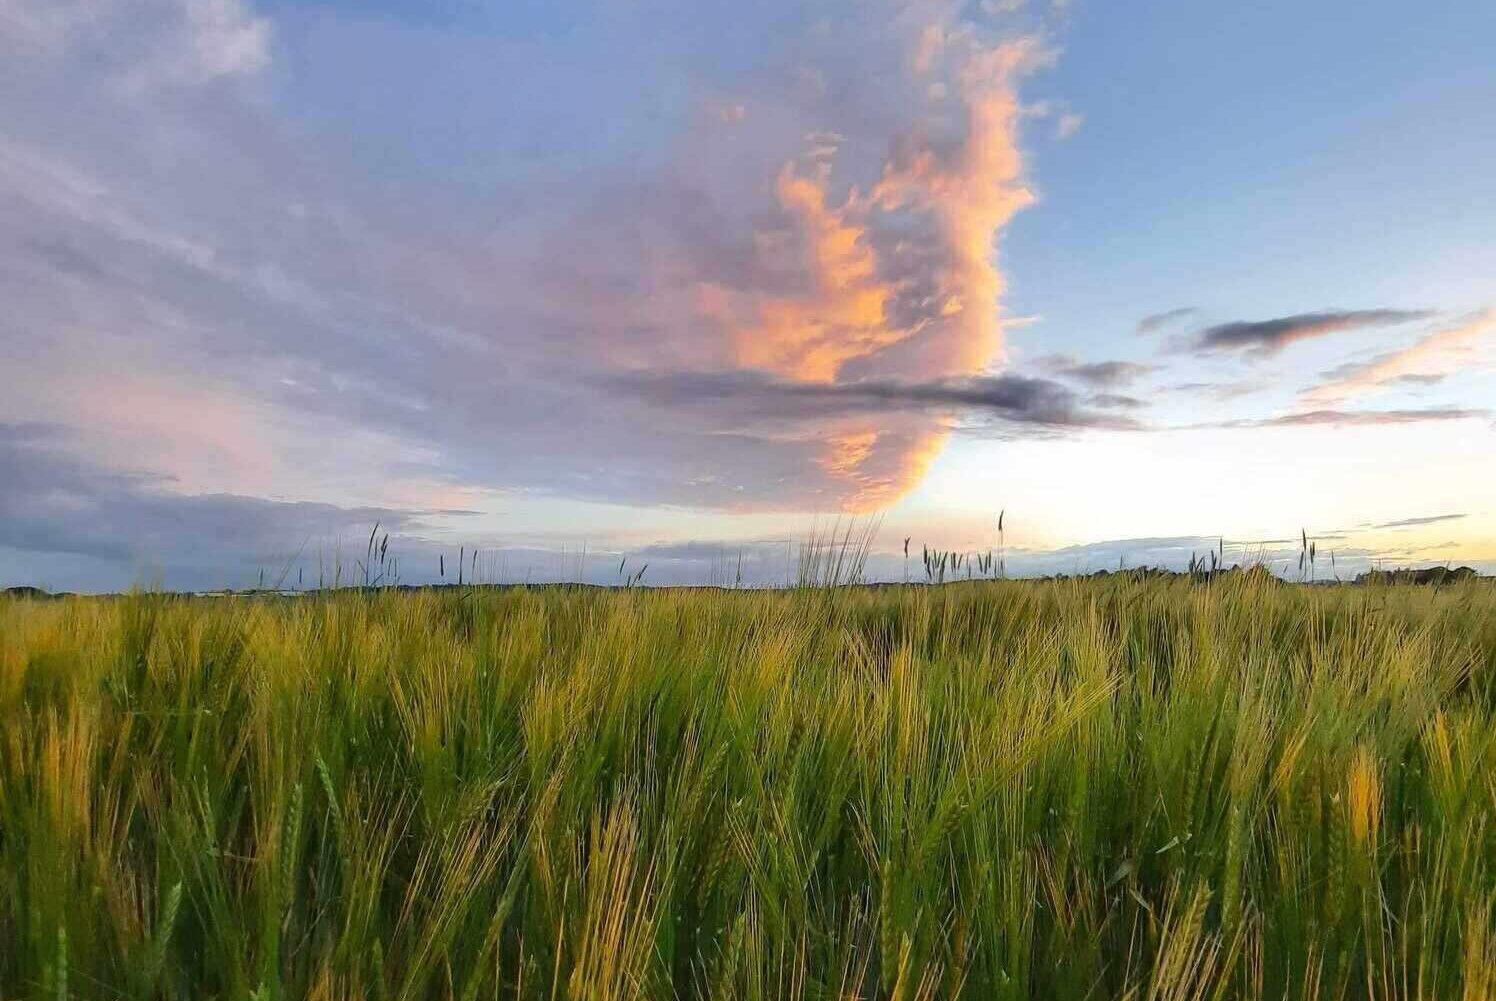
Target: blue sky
column 669, row 281
column 1264, row 158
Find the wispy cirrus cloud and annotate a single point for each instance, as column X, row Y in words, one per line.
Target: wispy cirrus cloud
column 1429, row 360
column 186, row 43
column 1261, row 338
column 1116, row 401
column 1356, row 418
column 1431, row 519
column 1221, row 392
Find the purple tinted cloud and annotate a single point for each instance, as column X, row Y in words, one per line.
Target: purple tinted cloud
column 199, row 285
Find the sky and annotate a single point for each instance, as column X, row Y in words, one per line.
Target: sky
column 591, row 287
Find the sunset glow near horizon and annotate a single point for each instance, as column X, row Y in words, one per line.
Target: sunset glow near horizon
column 676, row 284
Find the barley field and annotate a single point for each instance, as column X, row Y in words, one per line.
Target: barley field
column 1086, row 789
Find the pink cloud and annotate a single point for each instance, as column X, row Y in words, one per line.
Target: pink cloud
column 900, row 280
column 200, row 435
column 1440, row 353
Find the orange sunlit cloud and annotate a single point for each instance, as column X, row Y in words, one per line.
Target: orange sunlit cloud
column 972, row 195
column 809, row 337
column 871, row 301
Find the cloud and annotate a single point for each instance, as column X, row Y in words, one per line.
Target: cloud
column 901, row 276
column 724, row 562
column 248, row 267
column 1068, row 124
column 860, row 268
column 1357, row 418
column 698, row 550
column 1412, row 522
column 1267, row 337
column 1158, row 548
column 1220, row 391
column 1116, row 401
column 1157, row 321
column 142, row 45
column 69, row 523
column 1430, row 359
column 1174, row 553
column 225, row 39
column 1098, row 373
column 865, row 439
column 772, row 561
column 727, row 112
column 56, row 503
column 754, row 396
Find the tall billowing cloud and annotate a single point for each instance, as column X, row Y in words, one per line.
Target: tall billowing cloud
column 897, row 279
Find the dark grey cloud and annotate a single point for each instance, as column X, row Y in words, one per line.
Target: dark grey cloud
column 1157, row 321
column 1266, row 337
column 56, row 503
column 1097, row 374
column 745, row 398
column 1012, row 399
